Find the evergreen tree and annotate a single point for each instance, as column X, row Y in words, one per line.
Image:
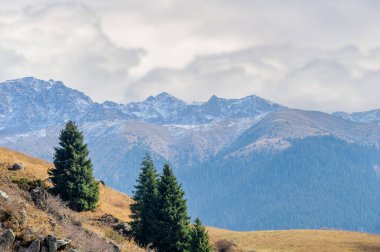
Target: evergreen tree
column 144, row 207
column 199, row 238
column 173, row 227
column 72, row 176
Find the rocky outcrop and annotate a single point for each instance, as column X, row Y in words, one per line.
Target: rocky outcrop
column 7, row 239
column 50, row 243
column 35, row 246
column 17, row 166
column 39, row 197
column 63, row 242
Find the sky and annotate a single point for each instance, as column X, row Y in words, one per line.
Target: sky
column 315, row 55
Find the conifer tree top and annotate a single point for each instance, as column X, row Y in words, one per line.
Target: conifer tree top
column 143, row 209
column 199, row 238
column 72, row 176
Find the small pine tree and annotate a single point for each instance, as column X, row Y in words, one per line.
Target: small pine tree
column 144, row 207
column 199, row 238
column 173, row 227
column 72, row 176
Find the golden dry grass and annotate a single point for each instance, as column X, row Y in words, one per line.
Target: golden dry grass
column 111, row 201
column 298, row 240
column 34, row 168
column 117, row 204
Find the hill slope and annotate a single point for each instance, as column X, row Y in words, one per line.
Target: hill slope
column 117, row 204
column 299, row 240
column 112, row 204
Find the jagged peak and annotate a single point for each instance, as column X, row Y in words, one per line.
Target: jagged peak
column 162, row 108
column 164, row 96
column 33, row 82
column 39, row 85
column 214, row 98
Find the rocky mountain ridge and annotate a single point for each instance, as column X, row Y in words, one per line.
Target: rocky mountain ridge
column 213, row 138
column 34, row 104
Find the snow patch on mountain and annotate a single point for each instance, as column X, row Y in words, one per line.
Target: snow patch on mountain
column 29, row 104
column 372, row 116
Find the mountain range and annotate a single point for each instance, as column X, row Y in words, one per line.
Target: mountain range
column 245, row 164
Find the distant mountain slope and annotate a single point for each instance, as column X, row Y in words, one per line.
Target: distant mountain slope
column 318, row 182
column 216, row 147
column 277, row 128
column 372, row 116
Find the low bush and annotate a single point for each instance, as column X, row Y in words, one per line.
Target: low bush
column 114, row 235
column 27, row 184
column 224, row 246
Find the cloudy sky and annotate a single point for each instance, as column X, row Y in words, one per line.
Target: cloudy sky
column 319, row 55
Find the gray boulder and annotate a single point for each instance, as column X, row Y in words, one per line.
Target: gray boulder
column 4, row 195
column 51, row 242
column 39, row 197
column 34, row 246
column 44, row 248
column 17, row 166
column 115, row 248
column 63, row 243
column 7, row 240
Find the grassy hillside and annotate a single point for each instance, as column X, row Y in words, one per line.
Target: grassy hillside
column 111, row 202
column 117, row 204
column 299, row 240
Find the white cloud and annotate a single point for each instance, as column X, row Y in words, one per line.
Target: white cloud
column 345, row 79
column 293, row 52
column 66, row 42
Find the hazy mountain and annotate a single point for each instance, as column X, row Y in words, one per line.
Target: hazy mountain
column 318, row 182
column 234, row 157
column 364, row 117
column 28, row 104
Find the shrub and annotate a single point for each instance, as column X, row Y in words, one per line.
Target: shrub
column 27, row 184
column 224, row 245
column 114, row 235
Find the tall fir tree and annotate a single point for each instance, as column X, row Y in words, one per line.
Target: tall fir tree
column 144, row 207
column 199, row 238
column 173, row 227
column 72, row 176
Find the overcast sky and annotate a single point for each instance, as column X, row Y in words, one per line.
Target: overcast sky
column 318, row 55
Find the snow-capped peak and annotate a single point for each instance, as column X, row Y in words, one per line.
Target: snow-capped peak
column 51, row 103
